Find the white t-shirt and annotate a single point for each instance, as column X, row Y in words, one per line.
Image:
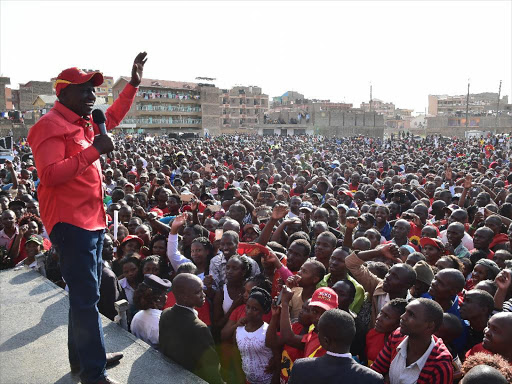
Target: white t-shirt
column 145, row 326
column 467, row 240
column 255, row 355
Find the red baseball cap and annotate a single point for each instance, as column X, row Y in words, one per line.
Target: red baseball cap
column 76, row 76
column 324, row 298
column 433, row 242
column 133, row 237
column 346, row 192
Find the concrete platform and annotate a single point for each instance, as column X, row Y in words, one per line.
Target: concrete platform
column 33, row 339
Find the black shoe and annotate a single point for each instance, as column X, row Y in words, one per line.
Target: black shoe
column 107, row 380
column 112, row 359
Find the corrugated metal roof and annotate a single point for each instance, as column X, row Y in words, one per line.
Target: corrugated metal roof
column 48, row 99
column 166, row 84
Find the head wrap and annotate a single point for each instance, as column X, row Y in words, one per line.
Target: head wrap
column 262, row 297
column 491, row 265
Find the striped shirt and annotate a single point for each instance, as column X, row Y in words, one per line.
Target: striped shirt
column 437, row 369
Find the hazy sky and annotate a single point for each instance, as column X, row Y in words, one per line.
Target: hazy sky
column 326, row 50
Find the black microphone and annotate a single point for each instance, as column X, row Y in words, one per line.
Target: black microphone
column 99, row 118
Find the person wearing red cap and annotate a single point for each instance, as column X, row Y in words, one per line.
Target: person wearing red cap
column 433, row 249
column 323, row 299
column 336, row 333
column 66, row 153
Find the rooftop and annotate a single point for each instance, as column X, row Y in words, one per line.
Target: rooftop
column 164, row 83
column 48, row 99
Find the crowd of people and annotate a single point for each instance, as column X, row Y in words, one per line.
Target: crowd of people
column 300, row 259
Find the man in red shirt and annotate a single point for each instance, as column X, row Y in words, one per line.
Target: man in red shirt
column 322, row 300
column 66, row 153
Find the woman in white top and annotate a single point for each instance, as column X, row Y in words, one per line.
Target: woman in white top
column 231, row 295
column 201, row 252
column 250, row 338
column 150, row 298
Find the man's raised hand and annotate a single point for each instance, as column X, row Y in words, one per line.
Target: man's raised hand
column 138, row 68
column 178, row 222
column 391, row 252
column 279, row 211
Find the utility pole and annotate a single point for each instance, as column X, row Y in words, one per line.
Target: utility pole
column 371, row 99
column 425, row 122
column 467, row 107
column 498, row 109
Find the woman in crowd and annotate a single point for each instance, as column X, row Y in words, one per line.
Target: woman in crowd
column 238, row 318
column 29, row 225
column 132, row 277
column 231, row 295
column 149, row 298
column 250, row 338
column 158, row 247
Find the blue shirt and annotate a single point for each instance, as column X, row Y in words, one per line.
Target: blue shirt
column 460, row 342
column 166, row 219
column 386, row 231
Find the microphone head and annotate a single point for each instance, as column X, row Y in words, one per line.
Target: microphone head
column 98, row 116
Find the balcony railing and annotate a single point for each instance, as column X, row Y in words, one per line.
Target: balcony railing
column 162, row 120
column 148, row 95
column 167, row 108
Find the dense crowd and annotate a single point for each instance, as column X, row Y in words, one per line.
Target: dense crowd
column 370, row 258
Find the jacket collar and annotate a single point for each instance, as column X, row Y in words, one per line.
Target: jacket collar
column 67, row 113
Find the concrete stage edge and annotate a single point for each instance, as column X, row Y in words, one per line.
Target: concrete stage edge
column 33, row 339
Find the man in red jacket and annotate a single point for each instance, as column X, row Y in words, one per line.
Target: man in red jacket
column 412, row 354
column 66, row 153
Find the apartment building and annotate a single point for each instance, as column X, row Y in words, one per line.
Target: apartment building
column 105, row 90
column 380, row 107
column 163, row 106
column 480, row 104
column 242, row 108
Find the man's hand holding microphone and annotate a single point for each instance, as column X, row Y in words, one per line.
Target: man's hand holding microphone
column 102, row 142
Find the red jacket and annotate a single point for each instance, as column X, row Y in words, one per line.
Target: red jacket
column 438, row 368
column 70, row 189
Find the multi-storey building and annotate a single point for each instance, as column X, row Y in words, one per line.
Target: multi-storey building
column 379, row 106
column 480, row 104
column 163, row 106
column 105, row 90
column 242, row 108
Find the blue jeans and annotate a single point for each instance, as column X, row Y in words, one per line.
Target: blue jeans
column 81, row 265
